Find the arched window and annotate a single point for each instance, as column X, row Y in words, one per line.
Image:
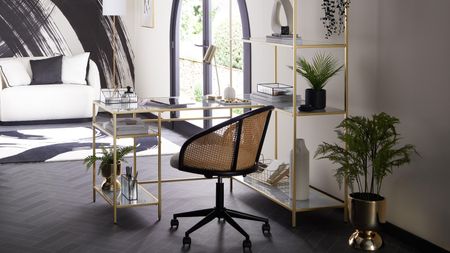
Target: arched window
column 197, row 24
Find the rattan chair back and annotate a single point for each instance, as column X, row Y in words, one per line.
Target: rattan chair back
column 230, row 148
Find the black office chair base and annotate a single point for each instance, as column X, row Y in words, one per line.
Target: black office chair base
column 220, row 212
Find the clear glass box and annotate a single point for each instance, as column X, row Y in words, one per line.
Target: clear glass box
column 117, row 96
column 274, row 89
column 129, row 187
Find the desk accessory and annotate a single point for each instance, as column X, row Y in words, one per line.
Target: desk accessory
column 171, row 102
column 129, row 184
column 306, row 108
column 210, row 55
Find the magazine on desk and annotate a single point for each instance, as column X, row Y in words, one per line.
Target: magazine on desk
column 169, row 102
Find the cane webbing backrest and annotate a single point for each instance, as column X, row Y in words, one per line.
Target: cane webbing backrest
column 213, row 151
column 217, row 150
column 251, row 138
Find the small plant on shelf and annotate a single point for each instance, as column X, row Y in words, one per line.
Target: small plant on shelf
column 107, row 163
column 318, row 72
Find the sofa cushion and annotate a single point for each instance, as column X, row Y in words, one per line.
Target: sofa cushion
column 44, row 102
column 46, row 71
column 15, row 73
column 74, row 68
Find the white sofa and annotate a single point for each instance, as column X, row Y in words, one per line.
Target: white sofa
column 48, row 102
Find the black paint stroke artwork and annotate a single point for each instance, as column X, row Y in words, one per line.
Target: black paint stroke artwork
column 33, row 28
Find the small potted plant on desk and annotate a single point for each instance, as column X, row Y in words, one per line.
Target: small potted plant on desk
column 107, row 165
column 322, row 68
column 371, row 151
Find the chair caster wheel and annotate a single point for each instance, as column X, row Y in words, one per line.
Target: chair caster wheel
column 187, row 241
column 247, row 244
column 174, row 223
column 266, row 228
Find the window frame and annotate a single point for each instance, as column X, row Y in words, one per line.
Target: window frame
column 207, row 70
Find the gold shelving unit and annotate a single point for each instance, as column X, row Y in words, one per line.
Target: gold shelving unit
column 280, row 194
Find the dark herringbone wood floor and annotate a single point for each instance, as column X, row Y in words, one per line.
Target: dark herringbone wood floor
column 47, row 207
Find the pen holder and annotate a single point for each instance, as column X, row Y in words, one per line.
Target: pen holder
column 129, row 187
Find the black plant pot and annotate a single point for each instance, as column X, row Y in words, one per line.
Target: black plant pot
column 316, row 98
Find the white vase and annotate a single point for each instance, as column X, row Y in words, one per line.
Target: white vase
column 301, row 170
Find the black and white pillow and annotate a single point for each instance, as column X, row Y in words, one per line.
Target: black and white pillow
column 74, row 68
column 15, row 73
column 46, row 71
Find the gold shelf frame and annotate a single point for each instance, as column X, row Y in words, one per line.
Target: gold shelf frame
column 293, row 112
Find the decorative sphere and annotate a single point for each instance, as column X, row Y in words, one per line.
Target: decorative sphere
column 229, row 93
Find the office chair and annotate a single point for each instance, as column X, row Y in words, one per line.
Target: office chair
column 229, row 149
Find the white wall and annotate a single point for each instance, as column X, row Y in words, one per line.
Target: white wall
column 152, row 62
column 397, row 63
column 415, row 86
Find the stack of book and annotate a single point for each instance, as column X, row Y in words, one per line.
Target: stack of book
column 270, row 98
column 127, row 126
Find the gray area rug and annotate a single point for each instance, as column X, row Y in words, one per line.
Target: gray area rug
column 67, row 143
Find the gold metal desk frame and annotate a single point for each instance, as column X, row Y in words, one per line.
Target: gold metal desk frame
column 318, row 200
column 146, row 198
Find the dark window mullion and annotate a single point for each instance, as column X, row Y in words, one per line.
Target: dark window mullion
column 207, row 37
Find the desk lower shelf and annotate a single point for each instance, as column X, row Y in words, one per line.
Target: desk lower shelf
column 280, row 195
column 145, row 198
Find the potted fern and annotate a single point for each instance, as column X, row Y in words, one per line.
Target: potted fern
column 370, row 152
column 107, row 164
column 318, row 72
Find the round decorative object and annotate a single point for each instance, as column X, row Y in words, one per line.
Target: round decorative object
column 275, row 22
column 365, row 240
column 229, row 93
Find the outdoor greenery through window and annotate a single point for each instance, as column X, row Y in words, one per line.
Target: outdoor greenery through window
column 191, row 53
column 191, row 35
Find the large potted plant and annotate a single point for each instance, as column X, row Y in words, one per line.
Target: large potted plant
column 370, row 152
column 318, row 72
column 107, row 164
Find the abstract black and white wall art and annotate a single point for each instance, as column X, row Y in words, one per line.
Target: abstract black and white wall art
column 65, row 27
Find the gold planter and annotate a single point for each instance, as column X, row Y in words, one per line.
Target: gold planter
column 107, row 184
column 366, row 212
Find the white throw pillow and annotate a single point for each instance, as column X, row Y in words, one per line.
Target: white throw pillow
column 74, row 68
column 15, row 72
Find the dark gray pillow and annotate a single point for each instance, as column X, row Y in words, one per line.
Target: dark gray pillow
column 46, row 71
